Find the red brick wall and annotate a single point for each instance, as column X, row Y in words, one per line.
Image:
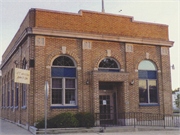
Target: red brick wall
column 87, row 62
column 95, row 22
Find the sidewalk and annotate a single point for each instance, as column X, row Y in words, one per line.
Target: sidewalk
column 7, row 128
column 119, row 130
column 130, row 133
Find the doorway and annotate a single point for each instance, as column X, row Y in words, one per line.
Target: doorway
column 107, row 102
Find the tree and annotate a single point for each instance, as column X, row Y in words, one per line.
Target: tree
column 177, row 101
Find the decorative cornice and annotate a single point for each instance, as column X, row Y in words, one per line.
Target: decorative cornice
column 82, row 35
column 103, row 37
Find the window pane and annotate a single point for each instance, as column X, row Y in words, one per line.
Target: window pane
column 63, row 72
column 146, row 65
column 152, row 75
column 17, row 94
column 56, row 83
column 63, row 61
column 12, row 85
column 56, row 96
column 108, row 63
column 12, row 98
column 70, row 96
column 8, row 97
column 143, row 95
column 69, row 72
column 24, row 86
column 153, row 91
column 143, row 74
column 70, row 83
column 2, row 97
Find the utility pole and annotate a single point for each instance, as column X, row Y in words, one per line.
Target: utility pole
column 103, row 6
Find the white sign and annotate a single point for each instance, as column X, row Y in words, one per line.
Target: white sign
column 104, row 102
column 22, row 76
column 72, row 102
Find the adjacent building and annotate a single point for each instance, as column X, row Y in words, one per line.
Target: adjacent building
column 93, row 62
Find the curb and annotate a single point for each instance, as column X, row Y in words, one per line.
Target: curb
column 102, row 129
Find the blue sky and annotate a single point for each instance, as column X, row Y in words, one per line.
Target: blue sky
column 12, row 13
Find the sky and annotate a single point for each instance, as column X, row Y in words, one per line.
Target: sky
column 12, row 13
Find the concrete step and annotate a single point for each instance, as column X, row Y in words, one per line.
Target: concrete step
column 102, row 129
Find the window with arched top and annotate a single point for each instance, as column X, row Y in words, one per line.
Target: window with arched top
column 5, row 81
column 12, row 88
column 63, row 74
column 8, row 90
column 148, row 92
column 24, row 64
column 2, row 102
column 109, row 65
column 24, row 86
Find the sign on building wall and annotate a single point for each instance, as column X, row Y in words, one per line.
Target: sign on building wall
column 22, row 76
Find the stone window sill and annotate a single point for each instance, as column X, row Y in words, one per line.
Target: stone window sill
column 23, row 107
column 141, row 105
column 63, row 107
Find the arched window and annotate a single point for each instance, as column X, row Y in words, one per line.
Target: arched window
column 148, row 92
column 5, row 81
column 12, row 88
column 63, row 73
column 24, row 86
column 24, row 64
column 8, row 90
column 2, row 103
column 109, row 65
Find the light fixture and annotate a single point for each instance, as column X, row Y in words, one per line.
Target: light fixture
column 173, row 67
column 132, row 82
column 16, row 62
column 87, row 82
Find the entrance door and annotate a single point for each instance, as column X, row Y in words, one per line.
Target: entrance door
column 106, row 109
column 107, row 102
column 105, row 106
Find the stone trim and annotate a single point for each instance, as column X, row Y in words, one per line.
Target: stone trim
column 103, row 37
column 82, row 35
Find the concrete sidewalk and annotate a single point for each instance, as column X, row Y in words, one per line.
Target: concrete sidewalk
column 129, row 133
column 111, row 130
column 8, row 128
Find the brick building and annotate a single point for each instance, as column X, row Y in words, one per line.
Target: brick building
column 94, row 62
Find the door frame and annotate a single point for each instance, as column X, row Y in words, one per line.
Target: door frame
column 111, row 93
